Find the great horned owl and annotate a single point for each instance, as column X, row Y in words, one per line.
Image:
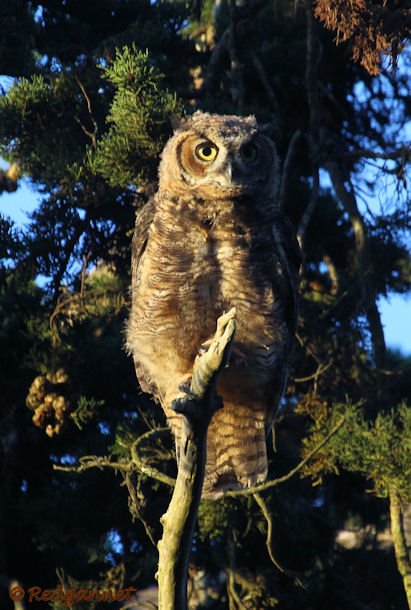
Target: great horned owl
column 212, row 238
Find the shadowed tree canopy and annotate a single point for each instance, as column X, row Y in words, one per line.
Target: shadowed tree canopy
column 88, row 95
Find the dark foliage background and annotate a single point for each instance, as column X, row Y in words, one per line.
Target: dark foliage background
column 95, row 86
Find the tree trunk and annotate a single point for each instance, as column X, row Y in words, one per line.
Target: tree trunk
column 401, row 553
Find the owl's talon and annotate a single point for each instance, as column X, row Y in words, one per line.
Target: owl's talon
column 184, row 386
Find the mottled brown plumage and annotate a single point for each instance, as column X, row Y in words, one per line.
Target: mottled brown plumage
column 213, row 238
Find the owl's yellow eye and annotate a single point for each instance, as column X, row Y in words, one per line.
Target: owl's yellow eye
column 206, row 151
column 249, row 153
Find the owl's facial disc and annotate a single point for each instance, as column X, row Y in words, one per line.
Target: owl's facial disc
column 234, row 166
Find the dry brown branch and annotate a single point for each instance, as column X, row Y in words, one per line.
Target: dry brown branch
column 305, row 344
column 372, row 29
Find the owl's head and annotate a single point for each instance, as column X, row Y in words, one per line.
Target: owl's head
column 219, row 157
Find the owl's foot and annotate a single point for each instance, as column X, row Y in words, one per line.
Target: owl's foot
column 184, row 386
column 206, row 369
column 237, row 357
column 204, row 347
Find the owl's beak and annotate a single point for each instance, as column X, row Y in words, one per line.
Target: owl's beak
column 228, row 172
column 231, row 174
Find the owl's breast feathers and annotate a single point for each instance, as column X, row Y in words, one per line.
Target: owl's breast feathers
column 193, row 260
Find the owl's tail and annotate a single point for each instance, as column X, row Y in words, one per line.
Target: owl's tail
column 236, row 450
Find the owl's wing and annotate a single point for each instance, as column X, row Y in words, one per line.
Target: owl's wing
column 144, row 218
column 289, row 259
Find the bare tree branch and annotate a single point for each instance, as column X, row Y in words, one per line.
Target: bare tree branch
column 266, row 84
column 93, row 461
column 91, row 134
column 306, row 217
column 197, row 409
column 288, row 168
column 320, row 370
column 268, row 542
column 143, row 466
column 404, row 152
column 213, row 65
